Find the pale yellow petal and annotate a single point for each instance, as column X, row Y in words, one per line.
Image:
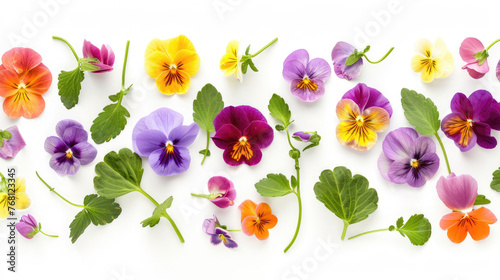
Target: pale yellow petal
column 4, row 205
column 424, row 47
column 156, row 63
column 20, row 185
column 438, row 67
column 156, row 45
column 187, row 61
column 23, row 201
column 418, row 63
column 352, row 135
column 448, row 64
column 178, row 43
column 427, row 74
column 232, row 47
column 439, row 50
column 229, row 63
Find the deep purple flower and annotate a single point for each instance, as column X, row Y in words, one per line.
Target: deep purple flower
column 340, row 52
column 106, row 56
column 301, row 136
column 12, row 145
column 70, row 149
column 307, row 78
column 408, row 158
column 27, row 225
column 242, row 132
column 223, row 236
column 222, row 192
column 162, row 137
column 470, row 120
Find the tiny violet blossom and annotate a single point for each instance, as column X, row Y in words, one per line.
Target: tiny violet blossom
column 11, row 142
column 302, row 136
column 70, row 150
column 219, row 234
column 21, row 198
column 28, row 227
column 432, row 61
column 222, row 192
column 162, row 138
column 307, row 78
column 475, row 55
column 307, row 137
column 257, row 219
column 459, row 193
column 408, row 158
column 105, row 56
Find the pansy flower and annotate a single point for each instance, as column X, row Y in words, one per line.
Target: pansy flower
column 11, row 142
column 340, row 53
column 218, row 233
column 257, row 219
column 432, row 60
column 23, row 80
column 408, row 158
column 172, row 63
column 307, row 78
column 29, row 227
column 105, row 56
column 162, row 138
column 70, row 149
column 469, row 121
column 222, row 192
column 230, row 63
column 242, row 132
column 459, row 194
column 21, row 198
column 363, row 112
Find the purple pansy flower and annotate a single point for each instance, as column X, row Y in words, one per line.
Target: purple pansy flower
column 307, row 78
column 340, row 52
column 408, row 158
column 26, row 225
column 162, row 137
column 471, row 120
column 366, row 97
column 218, row 233
column 222, row 192
column 12, row 145
column 105, row 55
column 70, row 149
column 242, row 132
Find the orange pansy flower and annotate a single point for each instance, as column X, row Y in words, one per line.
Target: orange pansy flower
column 257, row 219
column 475, row 222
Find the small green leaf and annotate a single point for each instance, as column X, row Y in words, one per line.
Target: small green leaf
column 203, row 152
column 495, row 183
column 69, row 86
column 247, row 51
column 279, row 127
column 86, row 66
column 481, row 200
column 244, row 67
column 78, row 225
column 417, row 229
column 399, row 223
column 157, row 213
column 5, row 134
column 206, row 107
column 367, row 48
column 420, row 112
column 252, row 66
column 353, row 58
column 273, row 186
column 294, row 183
column 119, row 174
column 279, row 109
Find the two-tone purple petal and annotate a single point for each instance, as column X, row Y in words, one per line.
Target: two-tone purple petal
column 366, row 97
column 105, row 56
column 13, row 145
column 223, row 236
column 340, row 52
column 457, row 192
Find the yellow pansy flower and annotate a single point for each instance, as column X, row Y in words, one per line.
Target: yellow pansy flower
column 22, row 200
column 230, row 63
column 433, row 61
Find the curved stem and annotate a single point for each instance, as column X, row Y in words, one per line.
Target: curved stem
column 444, row 152
column 52, row 190
column 125, row 65
column 297, row 193
column 380, row 60
column 174, row 226
column 344, row 231
column 491, row 45
column 148, row 196
column 69, row 45
column 47, row 234
column 368, row 232
column 265, row 47
column 206, row 149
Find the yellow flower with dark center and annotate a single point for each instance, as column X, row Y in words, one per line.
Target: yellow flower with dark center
column 230, row 63
column 20, row 198
column 433, row 61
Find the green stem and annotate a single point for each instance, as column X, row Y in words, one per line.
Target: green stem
column 148, row 196
column 368, row 232
column 206, row 149
column 201, row 195
column 344, row 231
column 69, row 45
column 233, row 229
column 265, row 47
column 125, row 65
column 491, row 45
column 53, row 190
column 47, row 234
column 380, row 60
column 444, row 152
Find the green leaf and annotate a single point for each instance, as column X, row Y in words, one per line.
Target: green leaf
column 252, row 66
column 86, row 66
column 158, row 213
column 279, row 109
column 353, row 58
column 5, row 134
column 495, row 183
column 111, row 121
column 417, row 229
column 79, row 225
column 273, row 186
column 206, row 107
column 399, row 223
column 244, row 66
column 481, row 200
column 119, row 174
column 294, row 182
column 420, row 112
column 69, row 86
column 349, row 198
column 203, row 152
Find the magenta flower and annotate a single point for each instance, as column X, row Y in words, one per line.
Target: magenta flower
column 222, row 192
column 70, row 150
column 475, row 55
column 218, row 233
column 28, row 227
column 457, row 192
column 106, row 56
column 11, row 142
column 307, row 78
column 408, row 158
column 498, row 70
column 242, row 132
column 470, row 120
column 162, row 137
column 340, row 52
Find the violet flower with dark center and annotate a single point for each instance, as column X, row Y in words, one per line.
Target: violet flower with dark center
column 70, row 149
column 340, row 53
column 222, row 192
column 105, row 55
column 218, row 233
column 11, row 142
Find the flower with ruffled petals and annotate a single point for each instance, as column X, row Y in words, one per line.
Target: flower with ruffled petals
column 162, row 137
column 257, row 219
column 172, row 63
column 408, row 158
column 469, row 121
column 23, row 80
column 230, row 63
column 363, row 112
column 21, row 198
column 242, row 132
column 70, row 150
column 340, row 52
column 105, row 56
column 222, row 192
column 433, row 61
column 11, row 142
column 307, row 78
column 459, row 193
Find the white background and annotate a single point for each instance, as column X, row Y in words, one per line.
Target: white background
column 124, row 250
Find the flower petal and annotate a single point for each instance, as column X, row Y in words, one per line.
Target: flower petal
column 26, row 105
column 481, row 101
column 259, row 133
column 383, row 164
column 178, row 44
column 64, row 165
column 247, row 209
column 252, row 114
column 215, row 240
column 341, row 51
column 85, row 152
column 397, row 143
column 65, row 124
column 307, row 94
column 348, row 72
column 458, row 129
column 38, row 80
column 469, row 47
column 90, row 51
column 450, row 222
column 421, row 146
column 156, row 63
column 21, row 60
column 12, row 146
column 256, row 157
column 54, row 145
column 24, row 229
column 484, row 215
column 399, row 171
column 427, row 167
column 483, row 134
column 9, row 82
column 219, row 184
column 184, row 135
column 232, row 115
column 226, row 136
column 156, row 45
column 74, row 135
column 187, row 61
column 248, row 225
column 300, row 55
column 347, row 110
column 22, row 199
column 167, row 165
column 376, row 119
column 163, row 119
column 366, row 97
column 424, row 47
column 318, row 69
column 457, row 192
column 170, row 82
column 294, row 70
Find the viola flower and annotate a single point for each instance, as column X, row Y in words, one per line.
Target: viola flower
column 162, row 137
column 218, row 233
column 307, row 78
column 209, row 225
column 340, row 52
column 28, row 227
column 302, row 136
column 459, row 193
column 230, row 63
column 21, row 198
column 433, row 61
column 475, row 56
column 23, row 80
column 222, row 192
column 11, row 142
column 105, row 56
column 408, row 158
column 172, row 63
column 70, row 150
column 257, row 219
column 469, row 120
column 242, row 132
column 363, row 112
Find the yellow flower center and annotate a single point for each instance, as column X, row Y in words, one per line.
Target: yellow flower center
column 169, row 147
column 359, row 120
column 242, row 148
column 223, row 238
column 173, row 66
column 469, row 122
column 414, row 163
column 307, row 84
column 69, row 153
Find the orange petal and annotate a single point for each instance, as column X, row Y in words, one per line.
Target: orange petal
column 187, row 61
column 262, row 233
column 156, row 45
column 347, row 110
column 179, row 43
column 376, row 119
column 263, row 209
column 247, row 208
column 156, row 63
column 9, row 82
column 248, row 225
column 24, row 104
column 479, row 230
column 38, row 80
column 450, row 220
column 269, row 221
column 173, row 81
column 21, row 60
column 457, row 233
column 483, row 215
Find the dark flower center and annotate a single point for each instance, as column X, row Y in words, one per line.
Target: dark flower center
column 170, row 153
column 242, row 148
column 307, row 84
